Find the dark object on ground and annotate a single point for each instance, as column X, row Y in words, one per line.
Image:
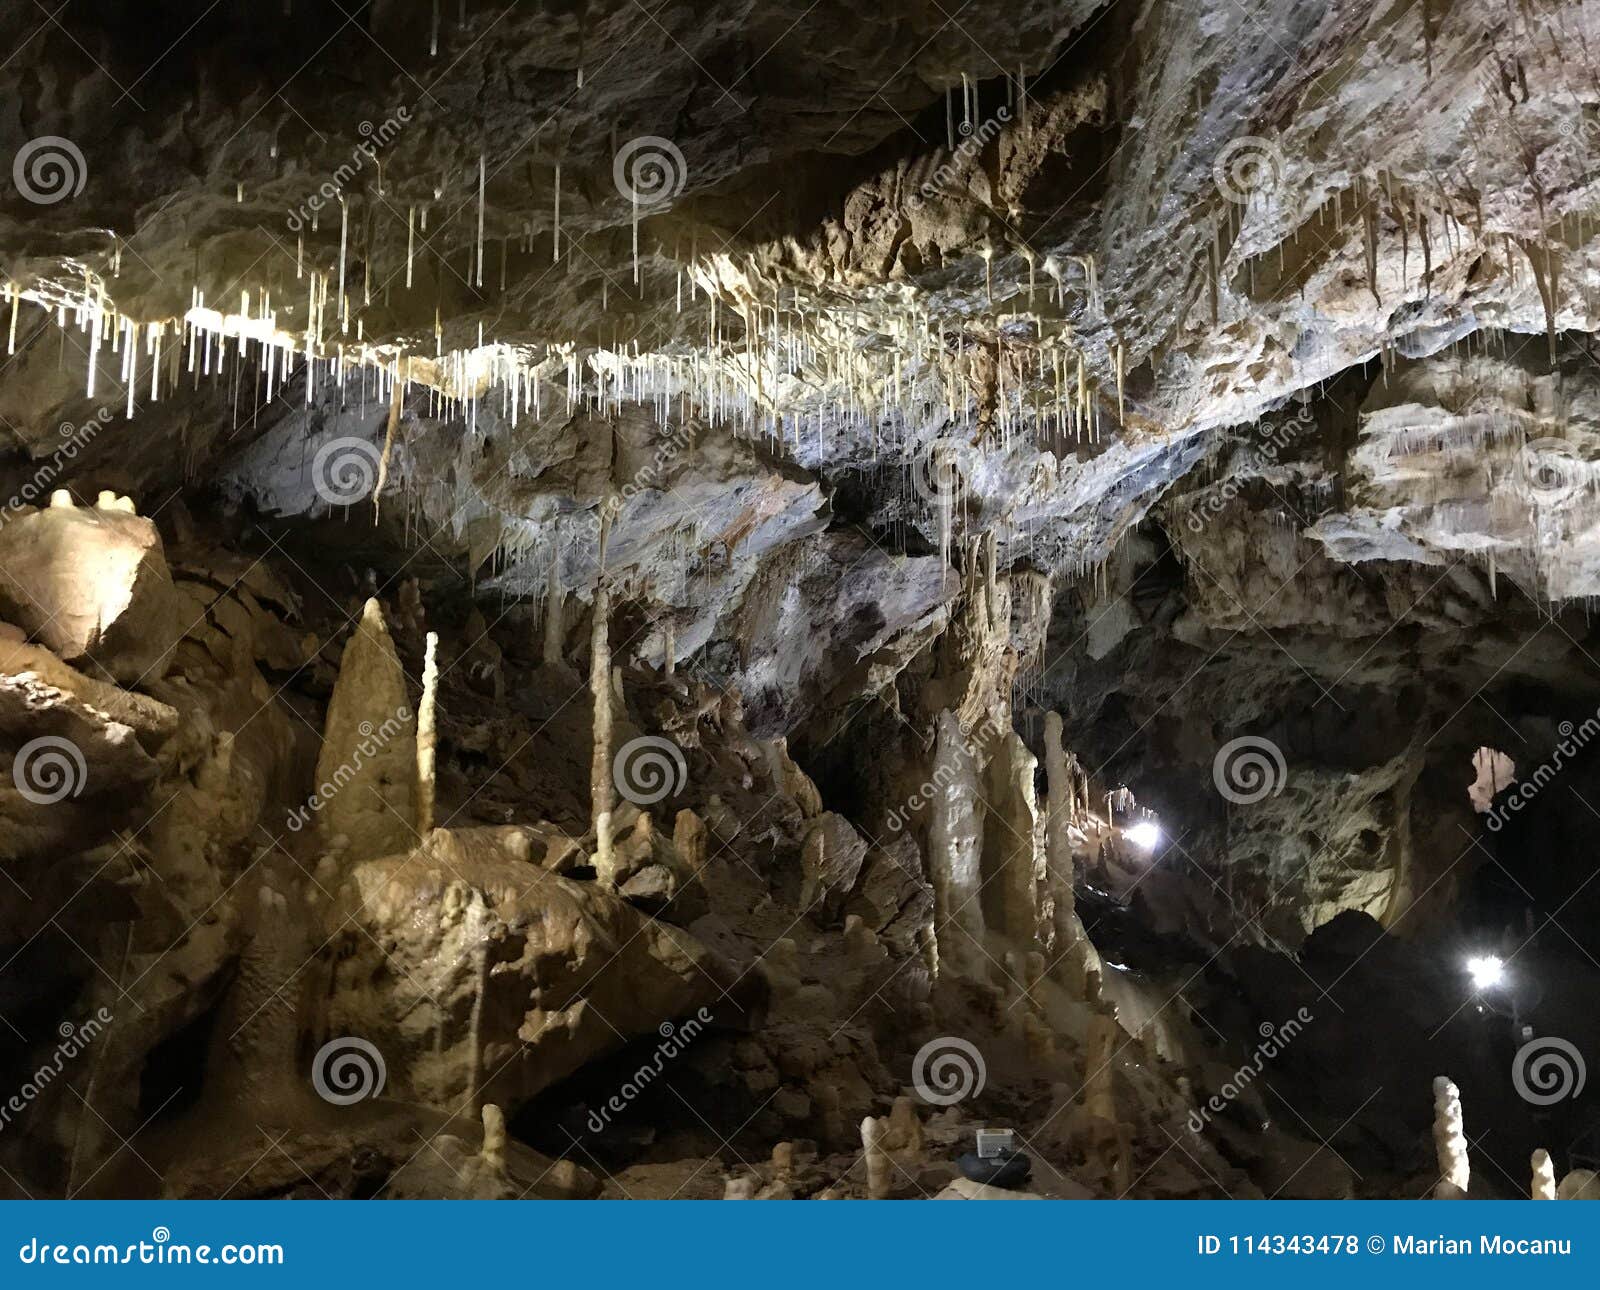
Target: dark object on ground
column 1009, row 1170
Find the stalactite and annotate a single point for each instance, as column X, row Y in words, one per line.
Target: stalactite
column 397, row 394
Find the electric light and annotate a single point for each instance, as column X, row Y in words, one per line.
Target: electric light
column 1486, row 970
column 1144, row 835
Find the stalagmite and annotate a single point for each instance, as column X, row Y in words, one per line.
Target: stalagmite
column 367, row 770
column 602, row 787
column 873, row 1133
column 955, row 840
column 494, row 1137
column 1013, row 859
column 427, row 734
column 1449, row 1141
column 1544, row 1176
column 552, row 613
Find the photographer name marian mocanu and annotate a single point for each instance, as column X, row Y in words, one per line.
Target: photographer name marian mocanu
column 1481, row 1244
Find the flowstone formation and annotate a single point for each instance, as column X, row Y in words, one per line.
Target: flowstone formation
column 747, row 604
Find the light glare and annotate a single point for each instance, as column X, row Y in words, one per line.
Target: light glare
column 1486, row 970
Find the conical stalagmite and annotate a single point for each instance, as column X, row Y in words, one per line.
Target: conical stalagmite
column 367, row 770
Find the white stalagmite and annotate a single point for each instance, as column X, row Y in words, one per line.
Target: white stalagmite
column 1449, row 1141
column 873, row 1133
column 427, row 735
column 601, row 787
column 1544, row 1176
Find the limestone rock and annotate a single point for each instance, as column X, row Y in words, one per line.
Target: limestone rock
column 490, row 979
column 92, row 585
